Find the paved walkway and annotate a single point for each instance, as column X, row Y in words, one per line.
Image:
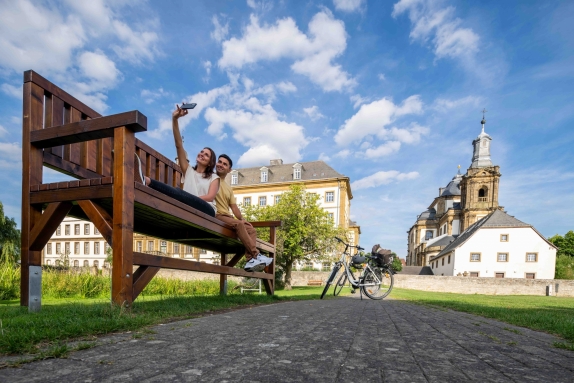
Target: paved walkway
column 336, row 340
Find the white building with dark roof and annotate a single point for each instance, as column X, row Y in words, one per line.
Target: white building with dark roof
column 465, row 231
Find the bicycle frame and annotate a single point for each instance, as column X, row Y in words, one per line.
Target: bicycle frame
column 356, row 283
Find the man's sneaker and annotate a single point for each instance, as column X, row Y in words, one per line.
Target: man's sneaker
column 254, row 265
column 138, row 173
column 265, row 259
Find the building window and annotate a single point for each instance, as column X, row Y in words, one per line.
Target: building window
column 86, row 263
column 163, row 246
column 449, row 259
column 502, row 257
column 57, row 263
column 277, row 199
column 149, row 245
column 530, row 275
column 77, row 229
column 76, row 247
column 59, row 230
column 262, row 201
column 86, row 229
column 49, row 248
column 67, row 230
column 48, row 262
column 330, row 197
column 96, row 247
column 475, row 257
column 67, row 248
column 106, row 247
column 482, row 194
column 106, row 265
column 264, row 176
column 531, row 257
column 330, row 216
column 96, row 231
column 234, row 178
column 443, row 262
column 297, row 174
column 246, row 201
column 202, row 251
column 499, row 275
column 188, row 249
column 428, row 235
column 58, row 248
column 96, row 263
column 86, row 247
column 474, row 274
column 76, row 263
column 139, row 246
column 176, row 248
column 503, row 237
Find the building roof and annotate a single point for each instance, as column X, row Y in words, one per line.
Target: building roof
column 443, row 240
column 427, row 214
column 279, row 172
column 497, row 218
column 453, row 187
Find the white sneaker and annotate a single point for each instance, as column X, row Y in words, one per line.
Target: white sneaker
column 254, row 265
column 265, row 259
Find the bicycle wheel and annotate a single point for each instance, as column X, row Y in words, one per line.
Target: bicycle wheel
column 340, row 284
column 330, row 280
column 383, row 279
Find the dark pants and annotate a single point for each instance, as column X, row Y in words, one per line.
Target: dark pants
column 183, row 196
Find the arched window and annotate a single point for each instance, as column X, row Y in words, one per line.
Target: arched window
column 96, row 263
column 482, row 193
column 76, row 263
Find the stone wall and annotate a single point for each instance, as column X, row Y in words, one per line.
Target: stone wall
column 461, row 285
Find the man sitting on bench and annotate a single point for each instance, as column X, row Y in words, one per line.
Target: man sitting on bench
column 225, row 200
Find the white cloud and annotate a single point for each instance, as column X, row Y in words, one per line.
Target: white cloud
column 98, row 67
column 323, row 157
column 385, row 149
column 10, row 152
column 262, row 130
column 260, row 6
column 3, row 131
column 286, row 87
column 150, row 96
column 138, row 45
column 313, row 53
column 382, row 178
column 372, row 118
column 207, row 66
column 348, row 5
column 358, row 100
column 381, row 77
column 444, row 105
column 313, row 113
column 343, row 153
column 12, row 90
column 220, row 31
column 411, row 135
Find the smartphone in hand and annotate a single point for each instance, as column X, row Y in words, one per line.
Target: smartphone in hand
column 188, row 106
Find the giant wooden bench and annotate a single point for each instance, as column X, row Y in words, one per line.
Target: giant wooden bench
column 64, row 134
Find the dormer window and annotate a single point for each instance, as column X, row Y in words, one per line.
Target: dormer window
column 234, row 178
column 264, row 174
column 297, row 171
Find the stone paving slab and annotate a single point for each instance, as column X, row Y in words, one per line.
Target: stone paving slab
column 336, row 340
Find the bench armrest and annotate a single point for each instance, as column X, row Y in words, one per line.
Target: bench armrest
column 87, row 130
column 267, row 224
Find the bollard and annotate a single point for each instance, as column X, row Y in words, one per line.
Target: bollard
column 556, row 288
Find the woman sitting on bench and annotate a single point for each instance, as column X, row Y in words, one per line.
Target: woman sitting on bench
column 200, row 183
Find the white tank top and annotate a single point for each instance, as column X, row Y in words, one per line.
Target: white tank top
column 194, row 183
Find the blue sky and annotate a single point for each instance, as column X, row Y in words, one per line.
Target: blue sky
column 388, row 93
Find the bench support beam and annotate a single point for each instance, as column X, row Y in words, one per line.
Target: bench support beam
column 99, row 217
column 142, row 276
column 47, row 224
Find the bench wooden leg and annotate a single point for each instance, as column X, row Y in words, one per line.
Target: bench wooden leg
column 223, row 277
column 123, row 217
column 142, row 277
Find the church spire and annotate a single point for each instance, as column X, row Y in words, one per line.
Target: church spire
column 481, row 154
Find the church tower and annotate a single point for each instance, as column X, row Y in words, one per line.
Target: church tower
column 479, row 186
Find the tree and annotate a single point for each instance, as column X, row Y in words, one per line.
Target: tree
column 9, row 239
column 307, row 232
column 564, row 255
column 397, row 265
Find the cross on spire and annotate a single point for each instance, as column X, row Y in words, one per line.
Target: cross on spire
column 483, row 119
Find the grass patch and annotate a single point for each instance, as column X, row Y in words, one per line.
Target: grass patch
column 62, row 320
column 551, row 314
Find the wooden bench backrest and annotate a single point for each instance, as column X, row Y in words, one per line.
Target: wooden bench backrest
column 91, row 159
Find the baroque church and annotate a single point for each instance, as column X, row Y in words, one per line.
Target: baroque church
column 465, row 231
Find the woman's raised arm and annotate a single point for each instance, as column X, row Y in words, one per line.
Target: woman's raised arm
column 183, row 164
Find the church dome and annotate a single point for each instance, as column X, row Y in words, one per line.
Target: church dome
column 427, row 214
column 453, row 187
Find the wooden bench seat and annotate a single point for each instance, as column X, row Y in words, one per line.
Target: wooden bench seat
column 315, row 283
column 67, row 136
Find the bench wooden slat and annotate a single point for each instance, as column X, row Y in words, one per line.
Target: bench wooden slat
column 74, row 194
column 80, row 131
column 63, row 166
column 182, row 264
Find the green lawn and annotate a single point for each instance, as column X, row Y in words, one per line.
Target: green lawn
column 61, row 320
column 551, row 314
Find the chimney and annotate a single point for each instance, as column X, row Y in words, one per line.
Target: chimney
column 276, row 162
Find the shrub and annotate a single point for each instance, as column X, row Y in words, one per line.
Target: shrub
column 9, row 281
column 564, row 267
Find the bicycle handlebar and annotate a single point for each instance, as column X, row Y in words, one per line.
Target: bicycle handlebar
column 346, row 244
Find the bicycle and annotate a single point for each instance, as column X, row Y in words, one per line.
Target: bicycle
column 376, row 281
